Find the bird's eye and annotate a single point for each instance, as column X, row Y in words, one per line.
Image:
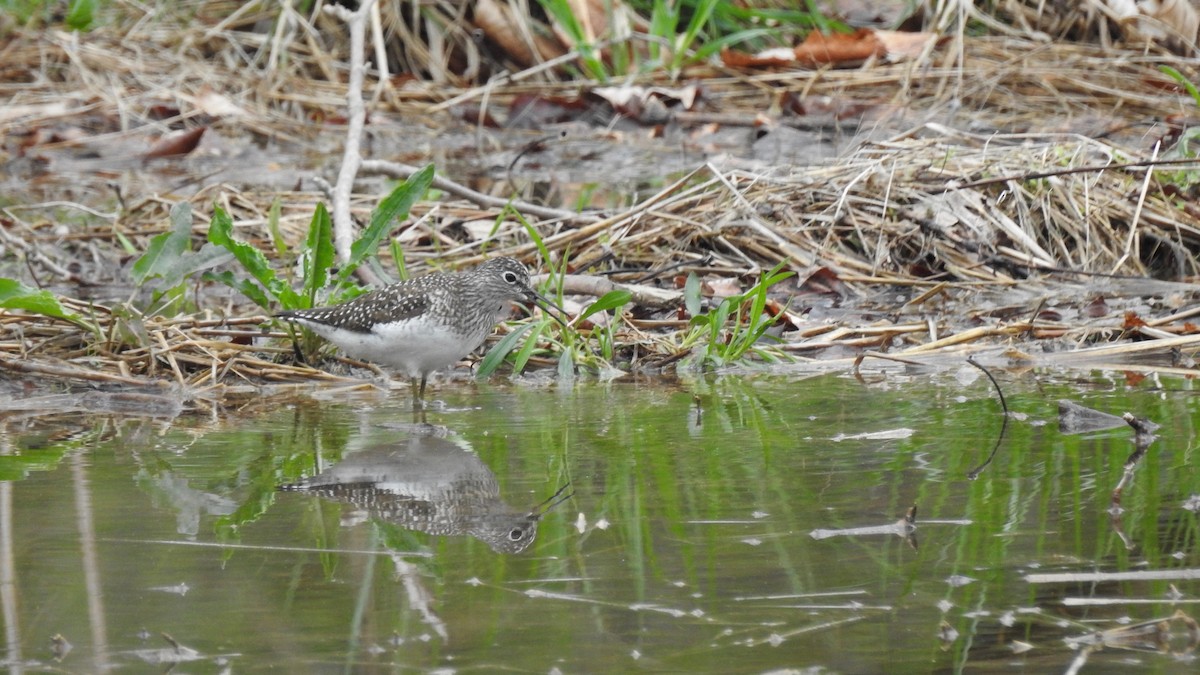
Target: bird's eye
column 510, row 277
column 515, row 534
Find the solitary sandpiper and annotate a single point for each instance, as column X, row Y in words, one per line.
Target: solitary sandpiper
column 425, row 323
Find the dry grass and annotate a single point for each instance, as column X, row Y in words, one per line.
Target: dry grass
column 991, row 163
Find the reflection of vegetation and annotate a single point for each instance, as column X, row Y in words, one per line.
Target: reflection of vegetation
column 693, row 512
column 41, row 452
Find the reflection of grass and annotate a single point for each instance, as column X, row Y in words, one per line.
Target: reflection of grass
column 709, row 488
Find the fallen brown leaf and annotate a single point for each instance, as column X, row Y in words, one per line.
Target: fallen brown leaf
column 839, row 49
column 179, row 143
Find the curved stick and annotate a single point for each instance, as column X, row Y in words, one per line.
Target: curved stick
column 974, row 473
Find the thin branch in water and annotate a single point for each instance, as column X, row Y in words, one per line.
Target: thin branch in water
column 1142, row 439
column 974, row 473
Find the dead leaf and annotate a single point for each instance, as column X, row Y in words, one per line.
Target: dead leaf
column 178, row 143
column 216, row 104
column 1132, row 320
column 788, row 320
column 899, row 45
column 1096, row 308
column 839, row 49
column 500, row 25
column 824, row 281
column 1179, row 15
column 722, row 288
column 1173, row 22
column 650, row 105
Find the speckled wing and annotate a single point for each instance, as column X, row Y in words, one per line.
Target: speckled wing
column 397, row 302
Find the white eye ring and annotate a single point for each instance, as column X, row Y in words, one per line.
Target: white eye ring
column 510, row 277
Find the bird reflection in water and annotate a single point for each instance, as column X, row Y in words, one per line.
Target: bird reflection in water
column 432, row 485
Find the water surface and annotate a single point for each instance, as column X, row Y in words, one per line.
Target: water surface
column 712, row 527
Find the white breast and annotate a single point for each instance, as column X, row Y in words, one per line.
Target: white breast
column 415, row 352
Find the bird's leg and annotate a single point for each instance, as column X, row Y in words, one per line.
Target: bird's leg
column 418, row 392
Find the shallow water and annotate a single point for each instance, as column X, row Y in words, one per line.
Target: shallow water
column 706, row 531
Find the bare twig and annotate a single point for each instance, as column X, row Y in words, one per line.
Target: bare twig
column 974, row 473
column 343, row 224
column 398, row 170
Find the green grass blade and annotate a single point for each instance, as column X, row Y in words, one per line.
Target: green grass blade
column 534, row 235
column 610, row 300
column 713, row 46
column 701, row 15
column 398, row 259
column 664, row 21
column 1183, row 82
column 691, row 295
column 318, row 254
column 496, row 356
column 526, row 351
column 395, row 206
column 273, row 216
column 564, row 13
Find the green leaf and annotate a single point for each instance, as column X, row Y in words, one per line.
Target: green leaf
column 1183, row 82
column 273, row 216
column 244, row 286
column 398, row 259
column 566, row 365
column 691, row 295
column 395, row 206
column 526, row 351
column 610, row 300
column 317, row 257
column 496, row 356
column 701, row 14
column 80, row 14
column 534, row 235
column 16, row 295
column 220, row 233
column 166, row 249
column 127, row 245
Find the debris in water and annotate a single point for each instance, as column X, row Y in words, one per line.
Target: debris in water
column 947, row 635
column 59, row 647
column 903, row 527
column 1076, row 419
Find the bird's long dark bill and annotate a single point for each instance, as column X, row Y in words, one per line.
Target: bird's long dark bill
column 553, row 501
column 546, row 304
